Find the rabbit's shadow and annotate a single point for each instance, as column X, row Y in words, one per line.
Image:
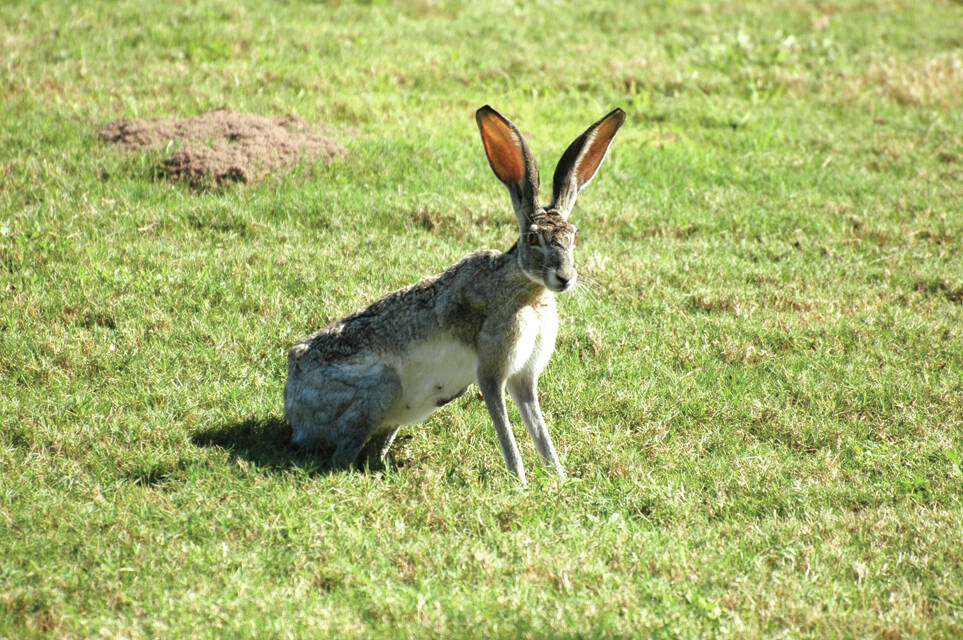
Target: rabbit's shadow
column 266, row 443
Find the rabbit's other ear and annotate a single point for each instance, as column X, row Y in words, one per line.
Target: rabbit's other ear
column 581, row 160
column 511, row 161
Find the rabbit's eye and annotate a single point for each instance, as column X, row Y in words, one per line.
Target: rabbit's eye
column 574, row 239
column 532, row 238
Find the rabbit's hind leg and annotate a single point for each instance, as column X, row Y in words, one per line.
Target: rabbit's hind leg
column 337, row 407
column 363, row 416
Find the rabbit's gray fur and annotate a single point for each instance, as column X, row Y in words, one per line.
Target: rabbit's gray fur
column 490, row 319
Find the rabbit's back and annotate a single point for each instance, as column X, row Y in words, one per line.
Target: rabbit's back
column 453, row 302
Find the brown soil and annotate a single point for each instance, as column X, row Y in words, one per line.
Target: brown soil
column 222, row 145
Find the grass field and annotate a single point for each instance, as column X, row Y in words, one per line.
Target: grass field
column 758, row 397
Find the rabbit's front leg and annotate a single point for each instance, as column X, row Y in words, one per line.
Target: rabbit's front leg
column 376, row 448
column 523, row 389
column 493, row 391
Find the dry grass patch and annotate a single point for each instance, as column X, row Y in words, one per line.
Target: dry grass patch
column 743, row 353
column 731, row 304
column 935, row 82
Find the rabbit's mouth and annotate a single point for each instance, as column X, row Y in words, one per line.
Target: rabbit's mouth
column 560, row 282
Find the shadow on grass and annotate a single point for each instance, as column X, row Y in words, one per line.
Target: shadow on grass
column 266, row 443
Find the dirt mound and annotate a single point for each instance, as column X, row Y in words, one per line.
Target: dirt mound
column 223, row 145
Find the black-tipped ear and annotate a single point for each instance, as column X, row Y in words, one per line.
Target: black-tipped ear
column 581, row 160
column 511, row 160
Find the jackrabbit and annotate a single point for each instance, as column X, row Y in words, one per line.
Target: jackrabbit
column 490, row 319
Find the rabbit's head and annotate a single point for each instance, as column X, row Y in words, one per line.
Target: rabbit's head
column 546, row 239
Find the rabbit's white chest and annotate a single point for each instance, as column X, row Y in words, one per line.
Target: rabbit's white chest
column 535, row 340
column 431, row 374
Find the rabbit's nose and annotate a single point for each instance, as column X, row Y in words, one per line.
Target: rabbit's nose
column 564, row 280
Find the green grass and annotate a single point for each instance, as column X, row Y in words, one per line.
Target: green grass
column 759, row 398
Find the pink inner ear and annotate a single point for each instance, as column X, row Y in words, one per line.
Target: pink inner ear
column 595, row 152
column 502, row 150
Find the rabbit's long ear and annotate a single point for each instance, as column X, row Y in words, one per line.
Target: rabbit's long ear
column 581, row 160
column 511, row 161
